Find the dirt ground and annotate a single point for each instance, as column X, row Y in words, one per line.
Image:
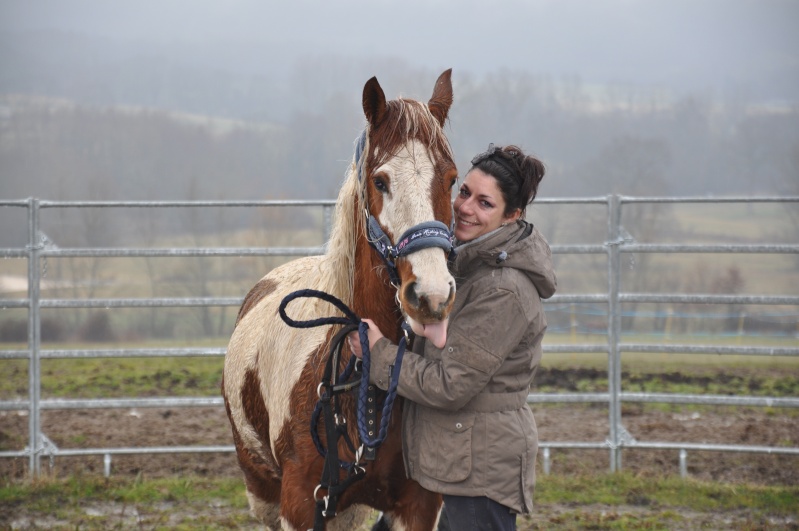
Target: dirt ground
column 209, row 426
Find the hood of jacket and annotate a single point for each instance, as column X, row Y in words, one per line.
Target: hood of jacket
column 520, row 246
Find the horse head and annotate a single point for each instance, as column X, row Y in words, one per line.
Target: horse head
column 408, row 172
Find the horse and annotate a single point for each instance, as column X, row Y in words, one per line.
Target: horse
column 400, row 177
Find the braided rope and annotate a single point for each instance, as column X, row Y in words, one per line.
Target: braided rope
column 350, row 319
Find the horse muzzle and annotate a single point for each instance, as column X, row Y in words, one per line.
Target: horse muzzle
column 427, row 306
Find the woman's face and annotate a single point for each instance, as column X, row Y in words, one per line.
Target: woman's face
column 479, row 207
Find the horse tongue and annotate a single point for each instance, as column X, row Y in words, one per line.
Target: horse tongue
column 437, row 333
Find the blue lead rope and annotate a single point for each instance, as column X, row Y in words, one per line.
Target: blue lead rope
column 351, row 319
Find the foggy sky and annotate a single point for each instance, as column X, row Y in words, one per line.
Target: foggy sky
column 746, row 47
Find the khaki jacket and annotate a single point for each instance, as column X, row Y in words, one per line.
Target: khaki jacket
column 467, row 429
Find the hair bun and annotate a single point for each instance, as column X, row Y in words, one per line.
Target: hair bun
column 518, row 174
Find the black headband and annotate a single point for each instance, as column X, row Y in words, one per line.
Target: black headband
column 489, row 154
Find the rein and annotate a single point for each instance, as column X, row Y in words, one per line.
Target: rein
column 355, row 374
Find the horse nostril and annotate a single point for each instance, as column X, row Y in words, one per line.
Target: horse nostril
column 411, row 297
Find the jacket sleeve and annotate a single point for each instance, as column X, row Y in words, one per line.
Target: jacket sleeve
column 482, row 336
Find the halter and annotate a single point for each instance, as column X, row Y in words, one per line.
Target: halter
column 425, row 235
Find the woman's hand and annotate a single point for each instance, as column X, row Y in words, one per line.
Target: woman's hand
column 354, row 339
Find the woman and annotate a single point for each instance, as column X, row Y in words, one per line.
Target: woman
column 467, row 430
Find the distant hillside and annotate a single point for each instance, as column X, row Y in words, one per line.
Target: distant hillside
column 594, row 141
column 57, row 149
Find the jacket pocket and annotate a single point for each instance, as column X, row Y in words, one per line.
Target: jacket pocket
column 445, row 448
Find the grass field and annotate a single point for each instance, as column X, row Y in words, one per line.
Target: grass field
column 613, row 502
column 200, row 376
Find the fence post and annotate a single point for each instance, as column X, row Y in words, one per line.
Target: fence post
column 34, row 338
column 614, row 330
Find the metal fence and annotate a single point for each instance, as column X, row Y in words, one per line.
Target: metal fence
column 613, row 248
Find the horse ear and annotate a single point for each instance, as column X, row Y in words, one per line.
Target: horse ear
column 441, row 101
column 374, row 102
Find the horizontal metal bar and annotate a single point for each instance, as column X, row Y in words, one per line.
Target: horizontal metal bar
column 712, row 447
column 141, row 302
column 331, row 202
column 116, row 353
column 111, row 252
column 717, row 400
column 709, row 349
column 144, row 450
column 14, row 303
column 580, row 249
column 708, row 298
column 114, row 403
column 680, row 298
column 14, row 354
column 600, row 297
column 200, row 401
column 698, row 248
column 568, row 445
column 15, row 453
column 664, row 398
column 599, row 200
column 133, row 353
column 562, row 445
column 14, row 405
column 656, row 298
column 706, row 199
column 533, row 398
column 72, row 452
column 541, row 398
column 162, row 204
column 549, row 349
column 214, row 352
column 14, row 253
column 575, row 349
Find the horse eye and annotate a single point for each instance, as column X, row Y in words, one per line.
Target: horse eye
column 452, row 183
column 381, row 185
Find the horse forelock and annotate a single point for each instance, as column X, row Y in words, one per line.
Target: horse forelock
column 406, row 120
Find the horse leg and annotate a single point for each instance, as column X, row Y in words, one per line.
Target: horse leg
column 263, row 495
column 350, row 518
column 383, row 524
column 297, row 503
column 417, row 509
column 298, row 507
column 267, row 513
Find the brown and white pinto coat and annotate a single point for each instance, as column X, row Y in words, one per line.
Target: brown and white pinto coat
column 272, row 371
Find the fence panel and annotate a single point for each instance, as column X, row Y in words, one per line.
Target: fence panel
column 616, row 245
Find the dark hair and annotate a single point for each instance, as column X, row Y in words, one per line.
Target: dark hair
column 517, row 174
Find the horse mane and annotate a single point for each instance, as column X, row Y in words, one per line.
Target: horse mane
column 338, row 267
